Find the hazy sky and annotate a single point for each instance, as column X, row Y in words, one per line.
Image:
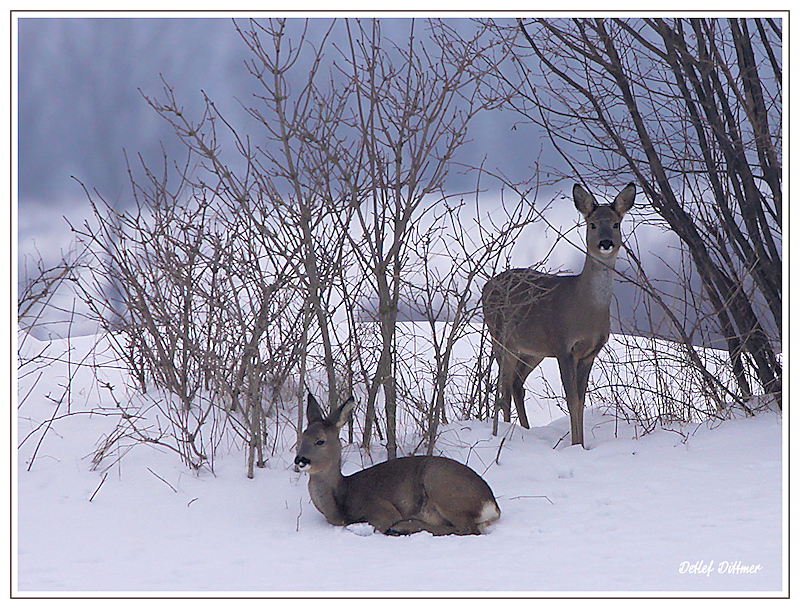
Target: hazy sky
column 79, row 98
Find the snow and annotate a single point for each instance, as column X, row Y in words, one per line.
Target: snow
column 687, row 510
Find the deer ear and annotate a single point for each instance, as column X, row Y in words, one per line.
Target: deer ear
column 585, row 202
column 339, row 417
column 624, row 200
column 313, row 411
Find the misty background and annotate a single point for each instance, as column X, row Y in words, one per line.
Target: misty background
column 81, row 89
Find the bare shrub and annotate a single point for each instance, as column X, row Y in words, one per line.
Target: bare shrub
column 188, row 286
column 691, row 108
column 254, row 263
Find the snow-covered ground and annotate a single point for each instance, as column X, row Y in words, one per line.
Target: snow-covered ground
column 695, row 510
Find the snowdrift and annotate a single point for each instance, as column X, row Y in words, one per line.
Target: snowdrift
column 696, row 509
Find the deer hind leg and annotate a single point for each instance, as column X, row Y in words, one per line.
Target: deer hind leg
column 460, row 521
column 506, row 363
column 408, row 527
column 476, row 520
column 430, row 518
column 524, row 366
column 450, row 520
column 457, row 501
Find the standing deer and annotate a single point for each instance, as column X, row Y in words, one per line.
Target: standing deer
column 397, row 497
column 533, row 315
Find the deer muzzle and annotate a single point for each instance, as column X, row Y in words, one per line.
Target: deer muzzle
column 301, row 463
column 606, row 246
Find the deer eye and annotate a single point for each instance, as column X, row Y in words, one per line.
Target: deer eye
column 319, row 442
column 593, row 225
column 616, row 224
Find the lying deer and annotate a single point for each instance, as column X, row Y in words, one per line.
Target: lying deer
column 533, row 315
column 397, row 497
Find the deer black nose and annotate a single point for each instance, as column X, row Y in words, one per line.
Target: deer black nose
column 606, row 245
column 301, row 461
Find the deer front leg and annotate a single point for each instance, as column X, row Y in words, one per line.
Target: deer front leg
column 569, row 378
column 583, row 369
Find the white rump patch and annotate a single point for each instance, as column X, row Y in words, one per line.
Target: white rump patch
column 488, row 515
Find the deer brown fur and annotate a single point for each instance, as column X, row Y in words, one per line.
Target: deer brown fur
column 397, row 497
column 533, row 315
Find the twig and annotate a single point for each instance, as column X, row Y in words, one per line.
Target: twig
column 98, row 486
column 559, row 440
column 44, row 433
column 499, row 448
column 300, row 513
column 162, row 479
column 532, row 497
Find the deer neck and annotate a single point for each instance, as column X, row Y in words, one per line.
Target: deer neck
column 325, row 489
column 597, row 280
